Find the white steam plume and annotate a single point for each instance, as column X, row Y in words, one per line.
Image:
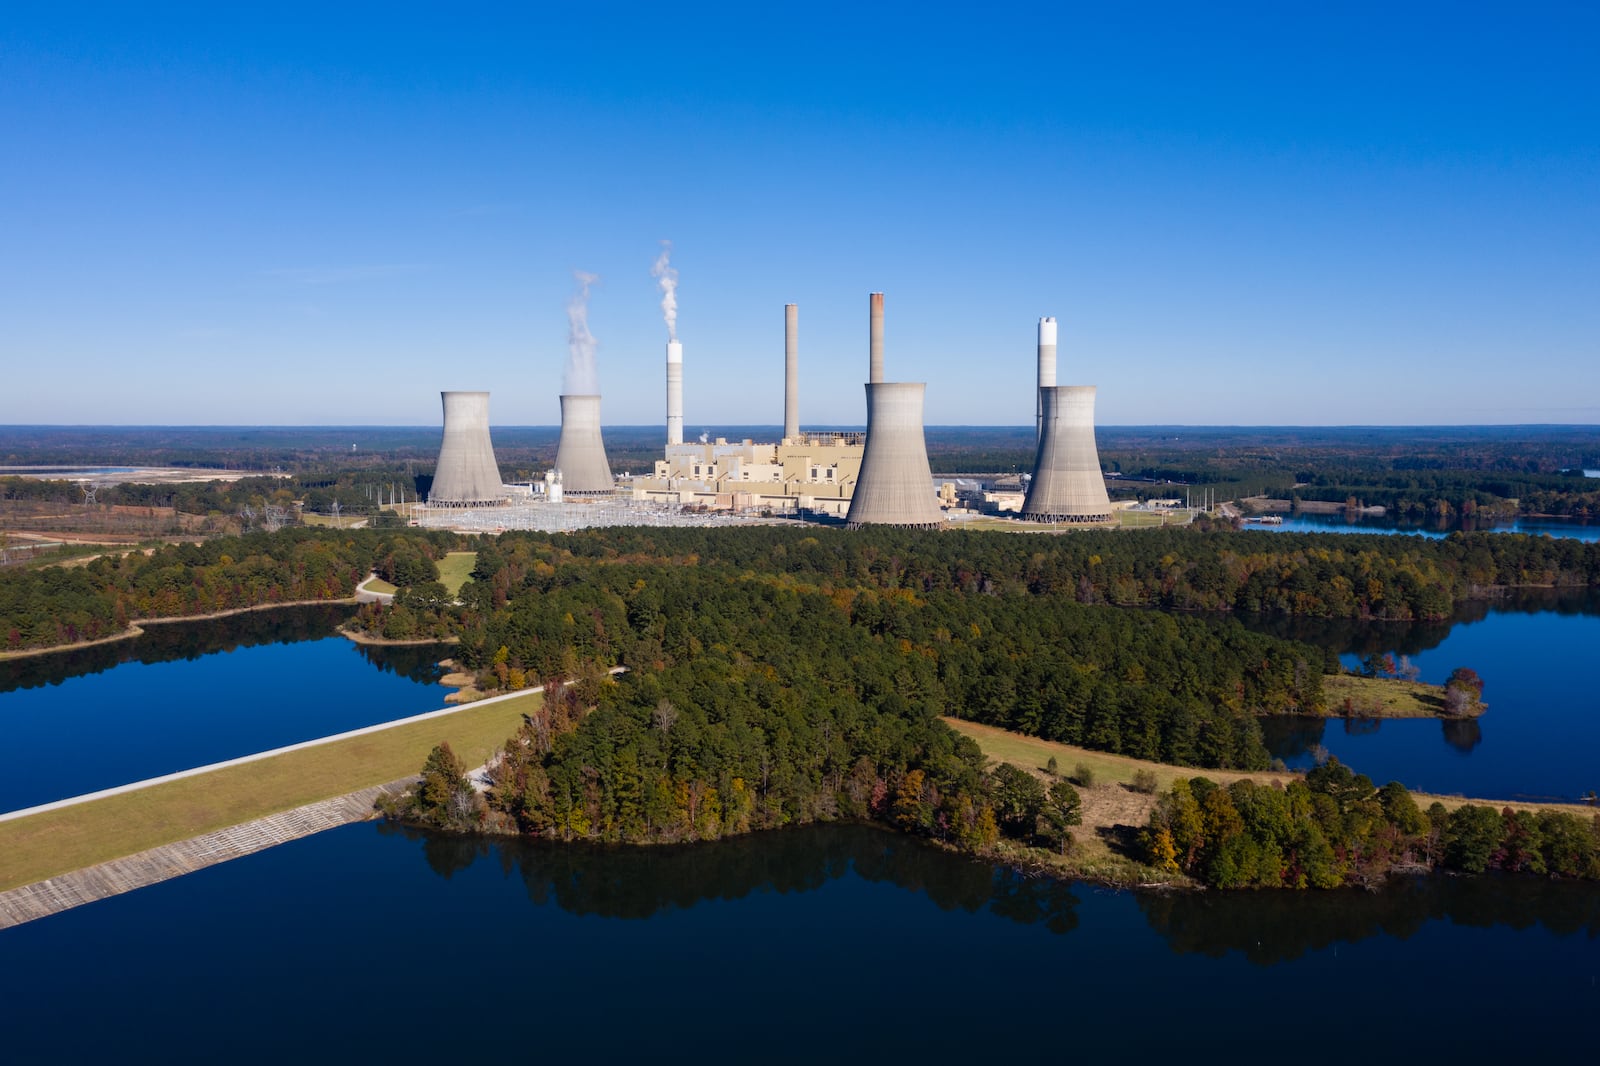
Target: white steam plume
column 581, row 378
column 664, row 272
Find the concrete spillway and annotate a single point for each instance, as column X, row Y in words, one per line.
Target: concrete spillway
column 467, row 474
column 1067, row 485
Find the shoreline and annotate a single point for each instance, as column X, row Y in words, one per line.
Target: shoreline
column 136, row 628
column 356, row 637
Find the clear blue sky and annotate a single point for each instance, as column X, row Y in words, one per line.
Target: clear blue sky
column 1280, row 213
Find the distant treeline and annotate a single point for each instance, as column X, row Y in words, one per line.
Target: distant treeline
column 1310, row 574
column 55, row 605
column 1335, row 828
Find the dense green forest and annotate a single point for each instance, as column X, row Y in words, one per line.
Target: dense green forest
column 1314, row 575
column 50, row 605
column 1335, row 828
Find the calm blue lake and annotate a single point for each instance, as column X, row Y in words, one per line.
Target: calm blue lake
column 186, row 694
column 1572, row 529
column 1540, row 738
column 833, row 944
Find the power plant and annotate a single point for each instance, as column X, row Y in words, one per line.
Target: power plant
column 1067, row 484
column 895, row 486
column 467, row 475
column 878, row 478
column 581, row 455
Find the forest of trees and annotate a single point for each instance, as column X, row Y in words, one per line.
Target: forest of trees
column 50, row 605
column 1335, row 828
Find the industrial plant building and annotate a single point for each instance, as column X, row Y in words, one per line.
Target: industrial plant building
column 879, row 477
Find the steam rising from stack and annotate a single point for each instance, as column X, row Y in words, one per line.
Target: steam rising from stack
column 581, row 377
column 664, row 273
column 895, row 486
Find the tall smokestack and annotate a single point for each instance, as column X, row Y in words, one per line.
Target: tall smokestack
column 1067, row 484
column 791, row 371
column 674, row 392
column 467, row 475
column 875, row 341
column 1047, row 372
column 895, row 486
column 581, row 455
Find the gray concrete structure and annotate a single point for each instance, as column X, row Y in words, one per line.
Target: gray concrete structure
column 1067, row 485
column 791, row 372
column 674, row 392
column 467, row 475
column 1047, row 371
column 875, row 338
column 895, row 486
column 581, row 455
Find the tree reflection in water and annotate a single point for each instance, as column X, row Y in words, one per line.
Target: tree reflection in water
column 639, row 882
column 1265, row 927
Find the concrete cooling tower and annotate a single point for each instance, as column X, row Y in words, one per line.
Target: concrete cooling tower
column 467, row 475
column 581, row 456
column 895, row 485
column 1067, row 483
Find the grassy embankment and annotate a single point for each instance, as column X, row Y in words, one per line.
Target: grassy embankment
column 1113, row 811
column 55, row 842
column 1386, row 697
column 454, row 570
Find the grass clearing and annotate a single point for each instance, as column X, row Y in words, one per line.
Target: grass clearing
column 1383, row 697
column 455, row 569
column 55, row 842
column 379, row 585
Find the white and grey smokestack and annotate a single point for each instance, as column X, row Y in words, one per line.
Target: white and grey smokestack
column 791, row 371
column 875, row 339
column 1047, row 372
column 674, row 392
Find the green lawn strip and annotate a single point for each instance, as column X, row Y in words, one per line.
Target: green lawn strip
column 455, row 568
column 56, row 842
column 1381, row 697
column 1032, row 753
column 378, row 584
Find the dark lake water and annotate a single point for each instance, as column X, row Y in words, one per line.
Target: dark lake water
column 833, row 944
column 190, row 693
column 1540, row 738
column 1566, row 529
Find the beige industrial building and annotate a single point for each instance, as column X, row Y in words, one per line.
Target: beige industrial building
column 813, row 472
